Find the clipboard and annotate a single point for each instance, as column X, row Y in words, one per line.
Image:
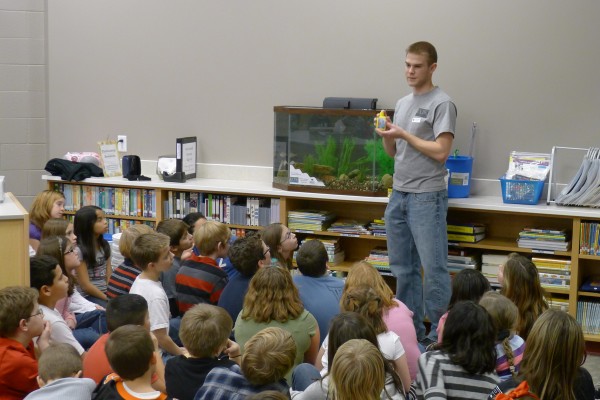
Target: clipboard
column 185, row 154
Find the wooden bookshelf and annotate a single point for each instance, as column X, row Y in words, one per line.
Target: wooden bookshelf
column 14, row 236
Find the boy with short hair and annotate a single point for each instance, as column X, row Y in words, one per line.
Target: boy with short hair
column 205, row 333
column 247, row 254
column 133, row 356
column 151, row 252
column 320, row 292
column 267, row 358
column 47, row 277
column 122, row 277
column 181, row 247
column 200, row 279
column 59, row 375
column 123, row 310
column 20, row 321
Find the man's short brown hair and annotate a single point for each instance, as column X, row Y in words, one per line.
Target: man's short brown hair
column 424, row 48
column 16, row 303
column 129, row 350
column 204, row 329
column 268, row 356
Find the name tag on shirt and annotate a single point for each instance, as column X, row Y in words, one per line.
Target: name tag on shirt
column 417, row 120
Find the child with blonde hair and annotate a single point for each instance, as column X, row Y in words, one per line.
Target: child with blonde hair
column 124, row 275
column 47, row 204
column 521, row 284
column 509, row 345
column 200, row 279
column 357, row 372
column 59, row 227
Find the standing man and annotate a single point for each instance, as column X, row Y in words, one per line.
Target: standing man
column 420, row 139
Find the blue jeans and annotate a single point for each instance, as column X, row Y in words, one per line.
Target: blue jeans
column 417, row 237
column 303, row 376
column 90, row 326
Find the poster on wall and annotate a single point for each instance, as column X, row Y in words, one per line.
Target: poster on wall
column 186, row 156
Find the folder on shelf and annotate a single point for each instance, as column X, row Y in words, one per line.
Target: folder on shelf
column 470, row 228
column 457, row 237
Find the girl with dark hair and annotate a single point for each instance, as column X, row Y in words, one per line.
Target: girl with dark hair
column 468, row 284
column 94, row 253
column 464, row 367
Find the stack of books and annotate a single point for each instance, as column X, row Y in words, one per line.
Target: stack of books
column 335, row 253
column 589, row 242
column 380, row 260
column 558, row 303
column 544, row 239
column 349, row 227
column 489, row 266
column 466, row 232
column 554, row 272
column 309, row 220
column 460, row 259
column 377, row 227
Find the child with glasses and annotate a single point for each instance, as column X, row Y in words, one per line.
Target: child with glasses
column 21, row 320
column 282, row 243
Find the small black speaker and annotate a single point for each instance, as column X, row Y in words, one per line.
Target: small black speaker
column 132, row 166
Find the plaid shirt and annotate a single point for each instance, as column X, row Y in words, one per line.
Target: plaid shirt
column 230, row 384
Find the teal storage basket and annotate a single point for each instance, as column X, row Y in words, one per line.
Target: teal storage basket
column 516, row 191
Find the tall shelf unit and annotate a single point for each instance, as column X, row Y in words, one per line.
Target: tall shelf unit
column 503, row 222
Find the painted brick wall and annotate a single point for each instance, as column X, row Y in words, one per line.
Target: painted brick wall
column 23, row 133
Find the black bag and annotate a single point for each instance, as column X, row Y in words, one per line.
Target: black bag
column 71, row 170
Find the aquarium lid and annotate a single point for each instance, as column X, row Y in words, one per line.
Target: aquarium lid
column 356, row 103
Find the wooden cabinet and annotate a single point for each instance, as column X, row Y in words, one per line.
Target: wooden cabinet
column 14, row 239
column 503, row 221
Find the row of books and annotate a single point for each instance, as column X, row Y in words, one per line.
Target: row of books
column 377, row 227
column 465, row 232
column 589, row 238
column 349, row 227
column 112, row 200
column 588, row 316
column 459, row 260
column 235, row 210
column 119, row 225
column 544, row 239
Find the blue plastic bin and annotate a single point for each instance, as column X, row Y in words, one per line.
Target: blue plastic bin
column 460, row 169
column 516, row 191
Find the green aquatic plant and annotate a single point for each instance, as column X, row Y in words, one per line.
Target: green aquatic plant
column 345, row 163
column 327, row 153
column 384, row 164
column 309, row 165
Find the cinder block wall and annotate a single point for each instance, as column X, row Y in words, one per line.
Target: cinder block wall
column 23, row 115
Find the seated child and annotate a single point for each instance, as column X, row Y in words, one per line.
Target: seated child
column 122, row 278
column 205, row 333
column 268, row 357
column 357, row 371
column 60, row 375
column 151, row 252
column 181, row 247
column 247, row 254
column 200, row 279
column 509, row 345
column 20, row 321
column 133, row 355
column 123, row 310
column 319, row 291
column 52, row 285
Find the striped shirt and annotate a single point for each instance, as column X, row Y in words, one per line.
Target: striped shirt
column 440, row 378
column 121, row 279
column 517, row 345
column 199, row 280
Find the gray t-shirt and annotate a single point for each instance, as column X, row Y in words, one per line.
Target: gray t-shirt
column 425, row 116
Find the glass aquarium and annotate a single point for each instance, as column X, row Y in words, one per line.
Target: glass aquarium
column 331, row 151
